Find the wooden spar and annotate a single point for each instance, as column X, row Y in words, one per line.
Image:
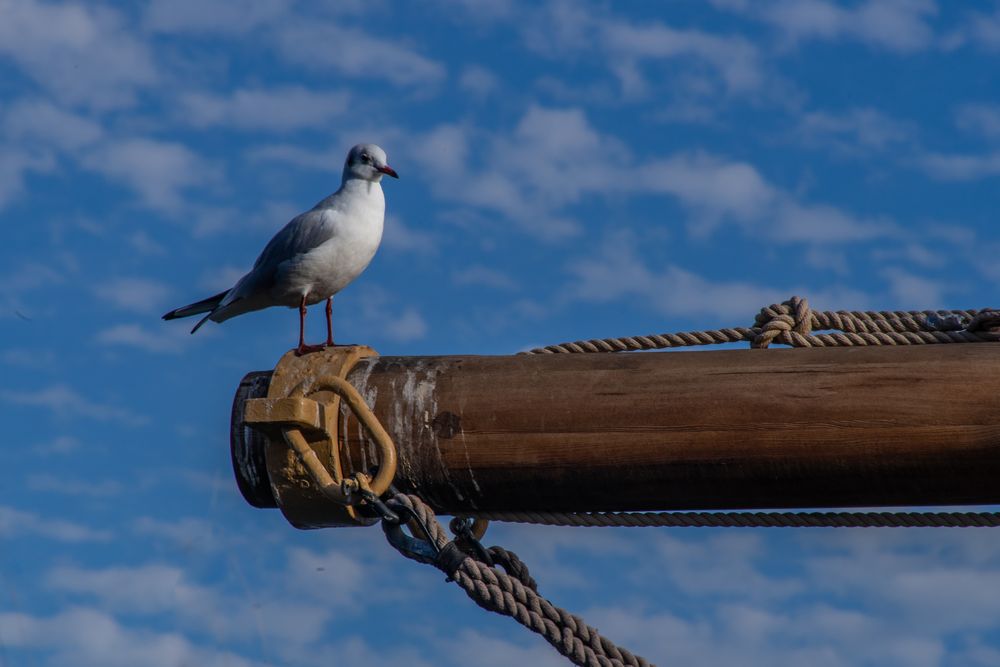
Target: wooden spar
column 779, row 428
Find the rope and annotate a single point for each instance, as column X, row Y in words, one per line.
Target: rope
column 753, row 519
column 510, row 592
column 792, row 323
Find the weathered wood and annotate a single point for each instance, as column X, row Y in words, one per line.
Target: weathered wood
column 684, row 430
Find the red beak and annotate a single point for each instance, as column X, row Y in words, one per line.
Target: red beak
column 388, row 171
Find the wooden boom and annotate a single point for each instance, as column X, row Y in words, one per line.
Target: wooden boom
column 877, row 426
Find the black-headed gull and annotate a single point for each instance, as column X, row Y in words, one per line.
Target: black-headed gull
column 315, row 255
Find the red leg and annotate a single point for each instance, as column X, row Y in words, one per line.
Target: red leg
column 303, row 348
column 329, row 322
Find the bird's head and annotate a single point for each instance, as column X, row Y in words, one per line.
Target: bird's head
column 367, row 162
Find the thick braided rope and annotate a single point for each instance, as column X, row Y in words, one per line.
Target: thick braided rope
column 501, row 593
column 793, row 322
column 753, row 519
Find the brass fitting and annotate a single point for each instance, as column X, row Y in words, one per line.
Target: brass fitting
column 303, row 456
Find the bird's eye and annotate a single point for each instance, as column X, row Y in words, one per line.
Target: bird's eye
column 366, row 158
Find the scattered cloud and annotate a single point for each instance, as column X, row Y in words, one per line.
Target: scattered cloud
column 15, row 523
column 483, row 276
column 91, row 488
column 158, row 171
column 954, row 167
column 65, row 402
column 86, row 637
column 62, row 444
column 80, row 54
column 160, row 340
column 979, row 119
column 357, row 53
column 277, row 109
column 134, row 294
column 914, row 291
column 400, row 237
column 900, row 26
column 852, row 132
column 617, row 271
column 186, row 532
column 478, row 81
column 396, row 323
column 39, row 121
column 193, row 16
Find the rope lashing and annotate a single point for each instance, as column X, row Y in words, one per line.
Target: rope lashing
column 509, row 591
column 793, row 323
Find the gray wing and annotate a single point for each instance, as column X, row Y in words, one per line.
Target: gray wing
column 303, row 233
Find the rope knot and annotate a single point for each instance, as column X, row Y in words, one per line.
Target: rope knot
column 790, row 322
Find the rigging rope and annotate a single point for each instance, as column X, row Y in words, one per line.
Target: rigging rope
column 793, row 323
column 509, row 591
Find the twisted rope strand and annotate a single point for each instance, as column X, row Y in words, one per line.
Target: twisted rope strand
column 792, row 323
column 515, row 596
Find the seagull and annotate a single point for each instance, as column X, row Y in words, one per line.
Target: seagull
column 315, row 255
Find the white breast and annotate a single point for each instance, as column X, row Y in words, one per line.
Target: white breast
column 354, row 223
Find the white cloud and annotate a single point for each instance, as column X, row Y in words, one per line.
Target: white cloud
column 186, row 532
column 981, row 119
column 41, row 122
column 15, row 164
column 81, row 637
column 952, row 167
column 276, row 109
column 617, row 271
column 74, row 487
column 980, row 29
column 401, row 237
column 322, row 45
column 16, row 523
column 397, row 323
column 220, row 278
column 135, row 294
column 483, row 276
column 80, row 54
column 679, row 65
column 852, row 131
column 475, row 648
column 478, row 81
column 710, row 185
column 307, row 158
column 62, row 444
column 163, row 339
column 157, row 170
column 195, row 16
column 734, row 59
column 554, row 159
column 901, row 26
column 65, row 402
column 913, row 291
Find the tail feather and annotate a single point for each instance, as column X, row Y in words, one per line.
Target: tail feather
column 203, row 306
column 202, row 321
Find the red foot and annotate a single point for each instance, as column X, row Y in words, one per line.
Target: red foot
column 306, row 349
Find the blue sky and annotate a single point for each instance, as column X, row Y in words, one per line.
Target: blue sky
column 569, row 170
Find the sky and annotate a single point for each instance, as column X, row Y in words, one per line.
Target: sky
column 568, row 170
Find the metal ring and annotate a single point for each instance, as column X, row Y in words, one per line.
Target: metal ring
column 387, row 450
